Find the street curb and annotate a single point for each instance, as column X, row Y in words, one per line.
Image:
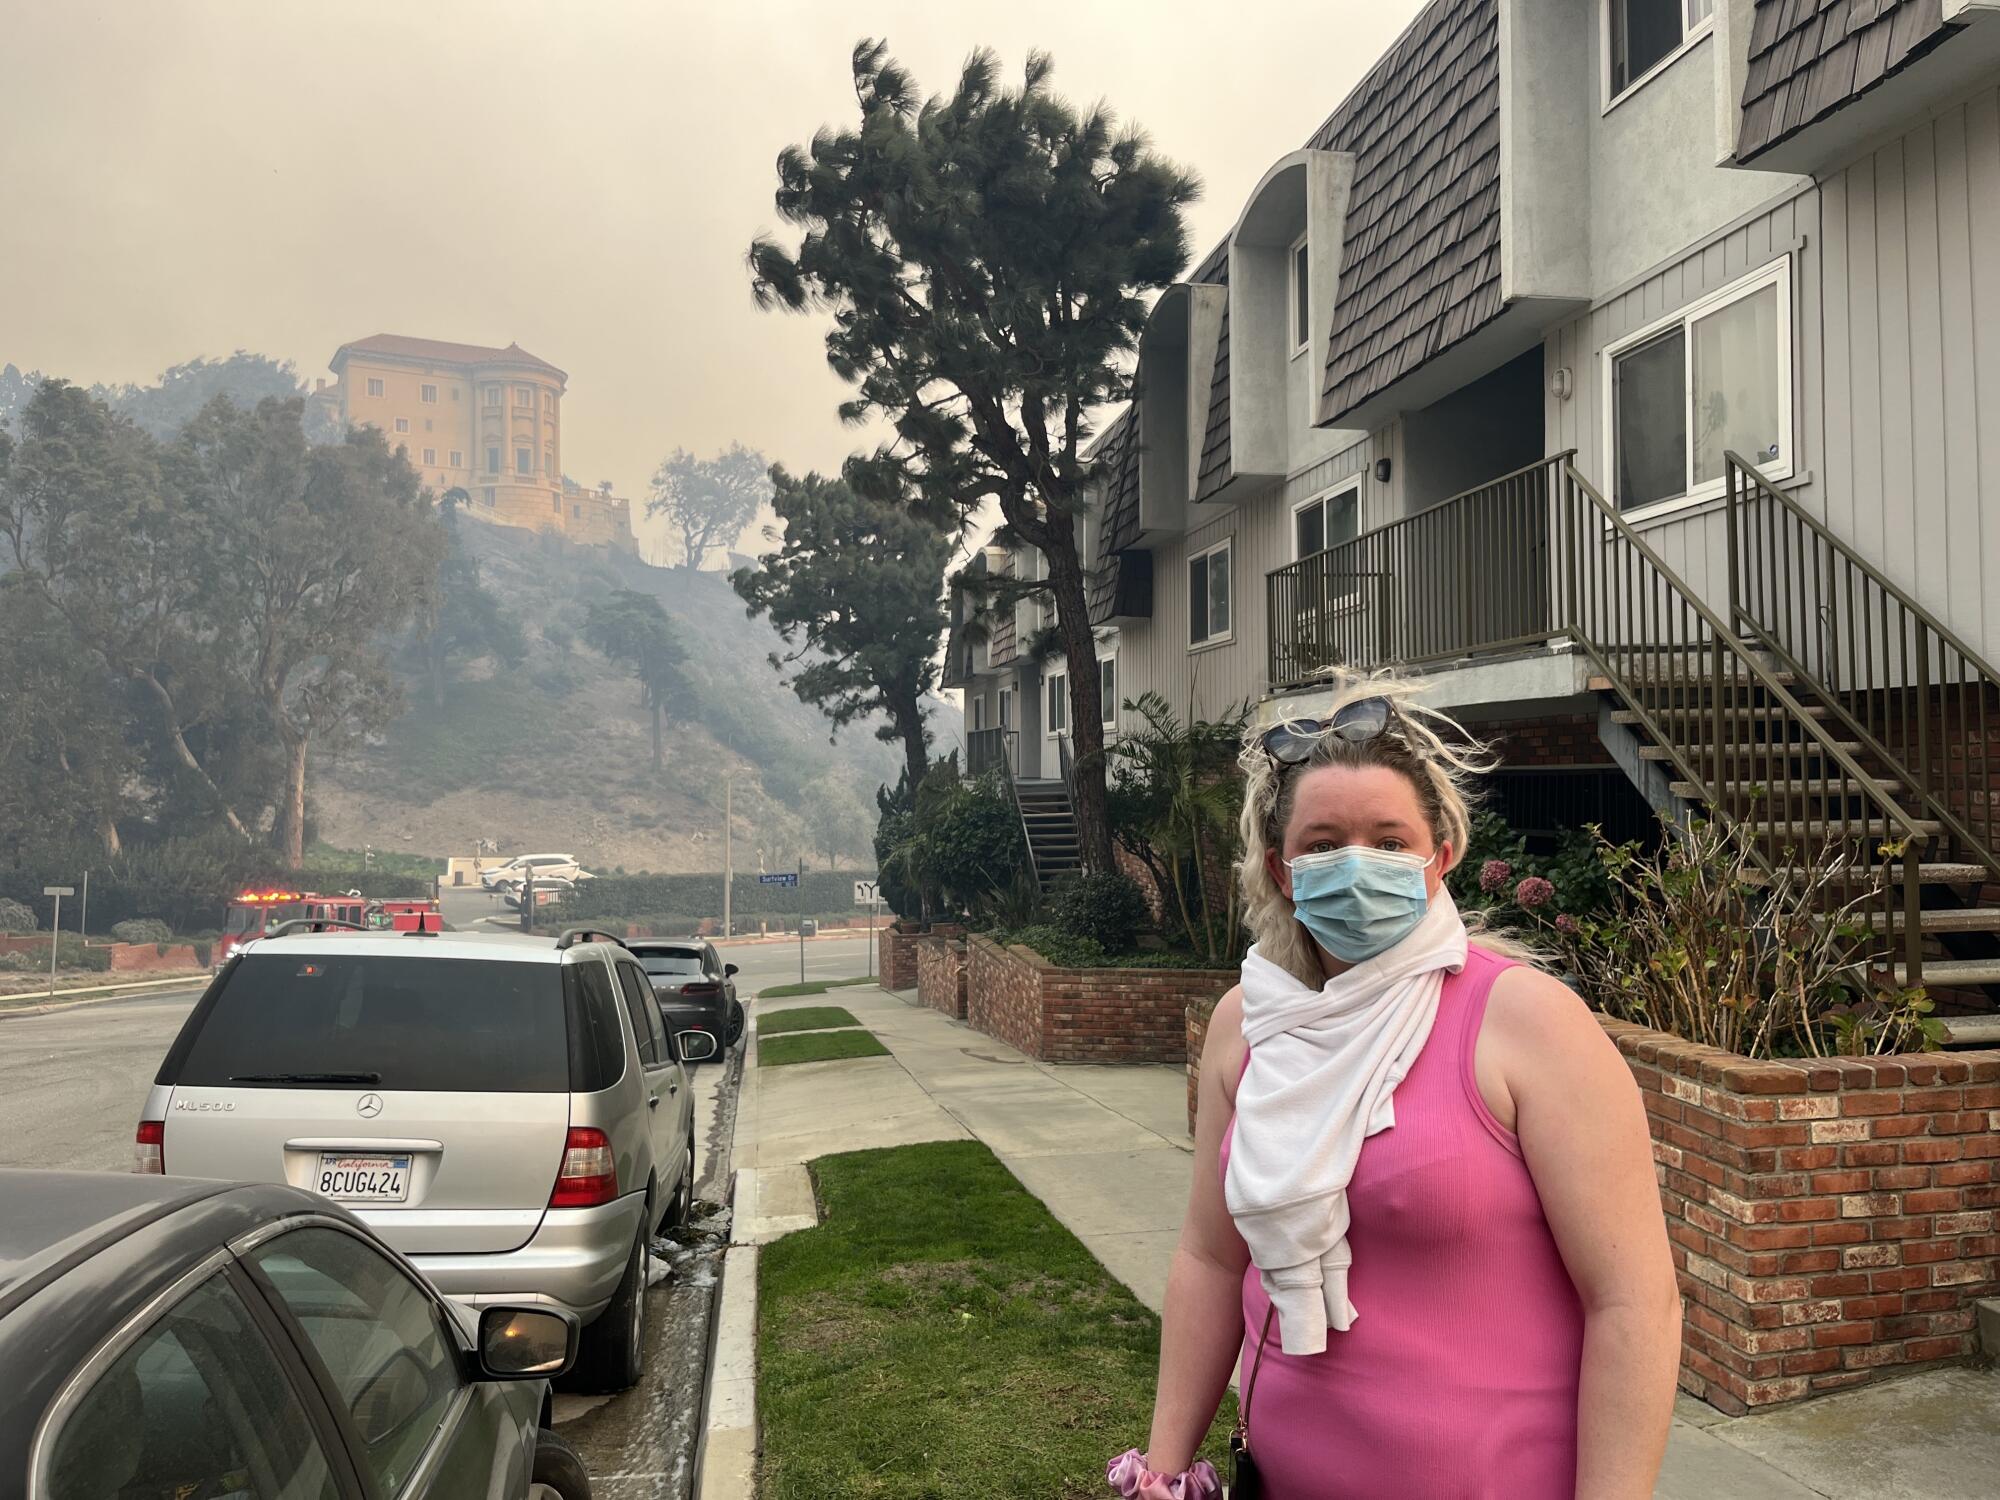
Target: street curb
column 726, row 1455
column 98, row 995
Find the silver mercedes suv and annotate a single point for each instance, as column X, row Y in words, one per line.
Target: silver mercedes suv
column 509, row 1112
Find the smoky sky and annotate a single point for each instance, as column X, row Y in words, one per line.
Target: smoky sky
column 189, row 177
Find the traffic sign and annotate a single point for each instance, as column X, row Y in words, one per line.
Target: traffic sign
column 58, row 890
column 865, row 892
column 787, row 878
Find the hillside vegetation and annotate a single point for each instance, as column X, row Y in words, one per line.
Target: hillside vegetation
column 555, row 753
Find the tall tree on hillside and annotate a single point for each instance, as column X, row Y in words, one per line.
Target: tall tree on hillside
column 855, row 591
column 986, row 258
column 181, row 393
column 89, row 527
column 461, row 617
column 712, row 500
column 317, row 555
column 631, row 628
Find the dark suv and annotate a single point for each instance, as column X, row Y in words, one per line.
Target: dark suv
column 697, row 990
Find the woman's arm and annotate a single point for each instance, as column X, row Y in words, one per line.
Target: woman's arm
column 1201, row 1331
column 1583, row 1134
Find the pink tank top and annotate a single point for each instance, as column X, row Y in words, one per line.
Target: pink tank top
column 1458, row 1380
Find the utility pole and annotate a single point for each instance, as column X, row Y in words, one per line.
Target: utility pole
column 55, row 928
column 802, row 919
column 728, row 849
column 83, row 917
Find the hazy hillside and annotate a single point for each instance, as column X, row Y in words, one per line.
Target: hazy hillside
column 556, row 754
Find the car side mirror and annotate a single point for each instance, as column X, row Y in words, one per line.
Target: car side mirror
column 728, row 970
column 697, row 1046
column 526, row 1343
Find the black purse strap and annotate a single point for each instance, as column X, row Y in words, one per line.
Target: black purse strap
column 1250, row 1388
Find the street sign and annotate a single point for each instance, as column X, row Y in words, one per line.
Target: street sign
column 58, row 890
column 865, row 892
column 788, row 878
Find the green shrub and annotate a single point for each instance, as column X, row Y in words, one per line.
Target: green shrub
column 1060, row 948
column 1106, row 909
column 16, row 917
column 17, row 963
column 73, row 953
column 618, row 895
column 204, row 951
column 141, row 930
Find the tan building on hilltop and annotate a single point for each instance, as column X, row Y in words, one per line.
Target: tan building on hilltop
column 485, row 420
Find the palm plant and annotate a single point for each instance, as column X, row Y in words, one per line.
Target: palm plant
column 1175, row 798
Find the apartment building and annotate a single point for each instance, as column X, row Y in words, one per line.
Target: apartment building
column 484, row 420
column 1631, row 368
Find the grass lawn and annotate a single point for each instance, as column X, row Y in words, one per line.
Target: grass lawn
column 810, row 987
column 941, row 1334
column 816, row 1046
column 805, row 1018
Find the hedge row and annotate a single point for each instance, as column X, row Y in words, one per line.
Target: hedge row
column 187, row 894
column 622, row 895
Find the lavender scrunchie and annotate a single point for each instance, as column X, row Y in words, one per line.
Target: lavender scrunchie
column 1129, row 1476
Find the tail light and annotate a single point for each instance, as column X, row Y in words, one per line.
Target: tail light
column 589, row 1174
column 149, row 1147
column 701, row 989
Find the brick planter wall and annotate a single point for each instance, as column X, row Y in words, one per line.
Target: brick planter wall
column 133, row 958
column 1832, row 1220
column 1084, row 1015
column 899, row 950
column 941, row 974
column 1198, row 1012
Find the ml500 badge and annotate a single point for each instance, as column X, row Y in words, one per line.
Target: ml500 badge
column 203, row 1106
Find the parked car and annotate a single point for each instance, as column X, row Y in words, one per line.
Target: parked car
column 522, row 865
column 165, row 1338
column 549, row 889
column 696, row 989
column 511, row 1113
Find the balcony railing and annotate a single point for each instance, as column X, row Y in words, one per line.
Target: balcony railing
column 989, row 750
column 1470, row 574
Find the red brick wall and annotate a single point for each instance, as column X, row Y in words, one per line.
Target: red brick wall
column 899, row 956
column 1554, row 740
column 1084, row 1015
column 132, row 958
column 1198, row 1013
column 1130, row 864
column 941, row 975
column 1831, row 1220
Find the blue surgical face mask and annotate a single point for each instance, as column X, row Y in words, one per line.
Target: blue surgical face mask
column 1359, row 901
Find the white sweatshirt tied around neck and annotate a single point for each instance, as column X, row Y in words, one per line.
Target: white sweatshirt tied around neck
column 1324, row 1065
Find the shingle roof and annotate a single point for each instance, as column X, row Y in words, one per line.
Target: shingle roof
column 1420, row 269
column 441, row 352
column 1117, row 453
column 1810, row 57
column 1215, row 437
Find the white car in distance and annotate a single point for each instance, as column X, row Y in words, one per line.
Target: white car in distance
column 541, row 866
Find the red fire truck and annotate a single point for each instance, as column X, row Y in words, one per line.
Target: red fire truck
column 254, row 913
column 405, row 914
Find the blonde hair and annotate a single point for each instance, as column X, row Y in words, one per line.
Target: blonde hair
column 1429, row 749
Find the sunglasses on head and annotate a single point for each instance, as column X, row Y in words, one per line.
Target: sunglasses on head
column 1293, row 742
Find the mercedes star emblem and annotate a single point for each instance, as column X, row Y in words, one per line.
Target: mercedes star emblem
column 368, row 1106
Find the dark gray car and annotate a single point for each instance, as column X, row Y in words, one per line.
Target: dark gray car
column 696, row 989
column 181, row 1339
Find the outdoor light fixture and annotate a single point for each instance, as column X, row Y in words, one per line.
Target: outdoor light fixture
column 1381, row 471
column 1559, row 383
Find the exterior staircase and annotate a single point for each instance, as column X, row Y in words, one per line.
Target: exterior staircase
column 1048, row 820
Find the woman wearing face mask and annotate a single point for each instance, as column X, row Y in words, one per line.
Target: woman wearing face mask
column 1424, row 1208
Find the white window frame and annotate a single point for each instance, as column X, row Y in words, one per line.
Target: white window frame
column 1779, row 274
column 458, row 458
column 1293, row 289
column 1006, row 703
column 431, row 457
column 1691, row 36
column 1223, row 637
column 524, row 396
column 1108, row 706
column 428, row 393
column 375, row 387
column 495, row 396
column 977, row 704
column 402, row 424
column 1346, row 487
column 1055, row 687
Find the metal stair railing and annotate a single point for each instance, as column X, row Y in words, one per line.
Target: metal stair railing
column 1645, row 628
column 986, row 750
column 1861, row 642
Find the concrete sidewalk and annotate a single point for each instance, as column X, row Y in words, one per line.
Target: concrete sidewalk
column 1106, row 1149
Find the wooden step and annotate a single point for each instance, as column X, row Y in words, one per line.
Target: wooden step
column 1954, row 973
column 1703, row 716
column 1871, row 826
column 1599, row 683
column 1842, row 787
column 1971, row 1031
column 1793, row 747
column 1941, row 919
column 1939, row 873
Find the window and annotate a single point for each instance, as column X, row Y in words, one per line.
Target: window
column 1643, row 35
column 430, row 394
column 524, row 396
column 549, row 462
column 1301, row 296
column 489, row 493
column 1107, row 689
column 457, row 458
column 493, row 460
column 1208, row 596
column 386, row 1344
column 671, row 962
column 524, row 460
column 402, row 424
column 645, row 1013
column 198, row 1405
column 548, row 401
column 431, row 457
column 1057, row 720
column 1712, row 378
column 978, row 706
column 1006, row 708
column 374, row 386
column 493, row 395
column 1325, row 521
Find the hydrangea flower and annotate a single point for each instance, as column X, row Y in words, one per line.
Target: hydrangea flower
column 1494, row 875
column 1534, row 892
column 1566, row 924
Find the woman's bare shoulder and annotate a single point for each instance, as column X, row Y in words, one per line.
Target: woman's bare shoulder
column 1536, row 1014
